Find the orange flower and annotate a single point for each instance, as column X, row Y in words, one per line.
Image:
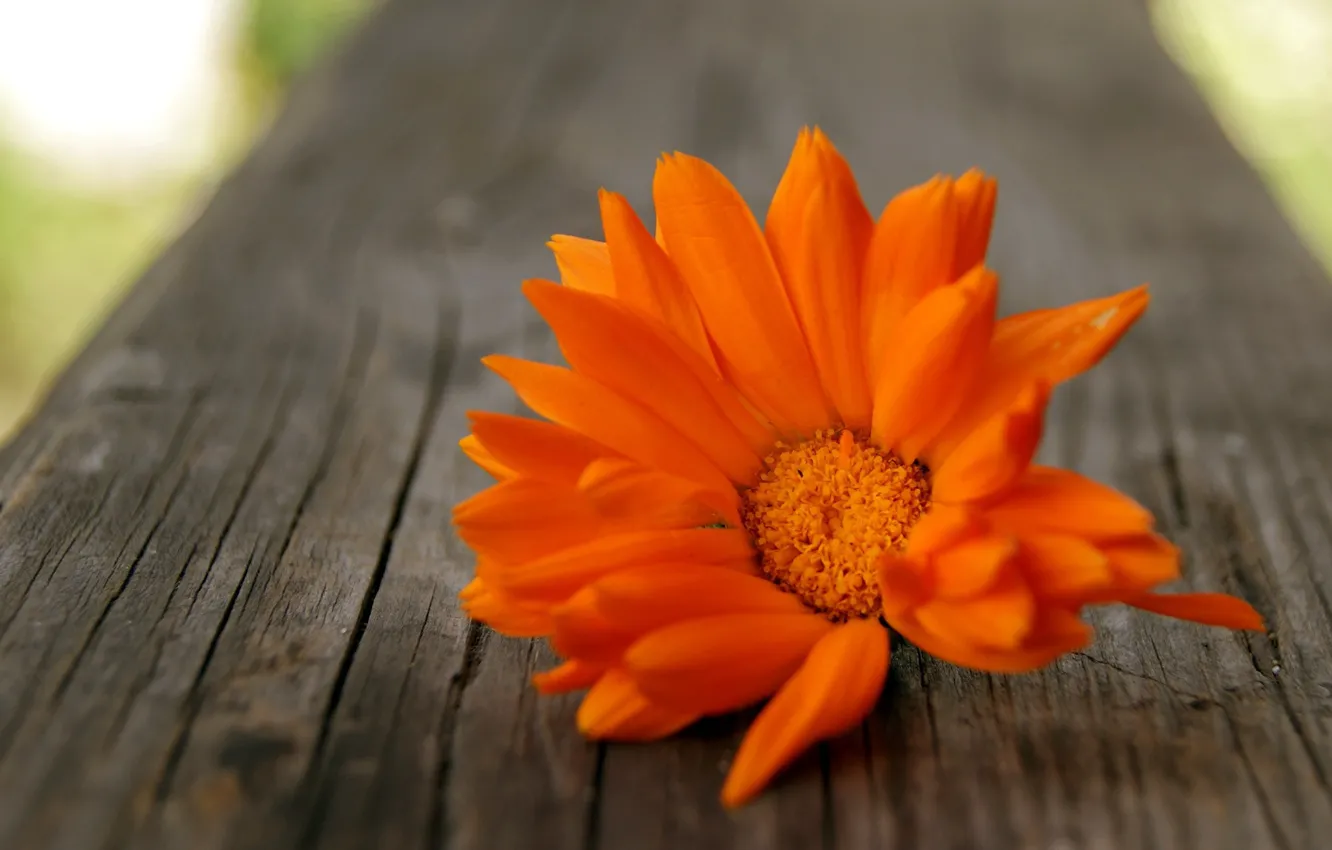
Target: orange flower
column 771, row 444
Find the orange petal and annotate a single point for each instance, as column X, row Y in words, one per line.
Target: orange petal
column 482, row 457
column 616, row 710
column 602, row 620
column 943, row 526
column 903, row 584
column 785, row 221
column 1059, row 343
column 1211, row 609
column 972, row 566
column 584, row 264
column 1059, row 626
column 580, row 630
column 834, row 690
column 1064, row 502
column 602, row 414
column 996, row 453
column 640, row 361
column 1043, row 345
column 521, row 519
column 572, row 675
column 975, row 195
column 935, row 359
column 927, row 237
column 717, row 664
column 473, row 588
column 481, row 583
column 533, row 448
column 645, row 278
column 1000, row 619
column 1061, row 565
column 1054, row 633
column 506, row 615
column 649, row 598
column 558, row 576
column 911, row 253
column 723, row 259
column 623, row 491
column 819, row 230
column 1142, row 562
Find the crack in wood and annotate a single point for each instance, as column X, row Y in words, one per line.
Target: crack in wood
column 1273, row 821
column 1194, row 700
column 96, row 629
column 441, row 362
column 193, row 698
column 592, row 818
column 473, row 646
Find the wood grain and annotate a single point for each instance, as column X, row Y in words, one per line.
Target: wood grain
column 227, row 580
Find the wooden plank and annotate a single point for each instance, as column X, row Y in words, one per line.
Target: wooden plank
column 227, row 582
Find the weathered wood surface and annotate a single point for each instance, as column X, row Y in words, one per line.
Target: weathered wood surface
column 227, row 581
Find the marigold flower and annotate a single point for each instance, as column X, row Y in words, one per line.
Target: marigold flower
column 770, row 444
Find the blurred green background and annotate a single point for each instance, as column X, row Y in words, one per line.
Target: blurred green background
column 79, row 223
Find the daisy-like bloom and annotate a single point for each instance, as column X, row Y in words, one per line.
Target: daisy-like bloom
column 774, row 444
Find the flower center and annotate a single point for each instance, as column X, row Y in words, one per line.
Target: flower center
column 823, row 512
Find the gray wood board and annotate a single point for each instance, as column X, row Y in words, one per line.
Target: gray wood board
column 227, row 580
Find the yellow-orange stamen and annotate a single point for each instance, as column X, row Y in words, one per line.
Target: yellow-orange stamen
column 823, row 512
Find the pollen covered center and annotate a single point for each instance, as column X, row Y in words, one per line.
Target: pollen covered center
column 823, row 512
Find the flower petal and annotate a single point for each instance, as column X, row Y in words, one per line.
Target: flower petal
column 506, row 615
column 1060, row 343
column 928, row 236
column 603, row 619
column 994, row 455
column 587, row 406
column 935, row 358
column 626, row 492
column 580, row 630
column 1211, row 609
column 556, row 577
column 534, row 448
column 522, row 519
column 1142, row 562
column 482, row 457
column 1064, row 502
column 943, row 526
column 903, row 584
column 973, row 566
column 911, row 254
column 1055, row 632
column 640, row 361
column 1062, row 565
column 784, row 225
column 834, row 690
column 1043, row 345
column 472, row 589
column 722, row 257
column 819, row 230
column 584, row 264
column 999, row 619
column 645, row 278
column 718, row 664
column 573, row 675
column 975, row 195
column 616, row 710
column 649, row 598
